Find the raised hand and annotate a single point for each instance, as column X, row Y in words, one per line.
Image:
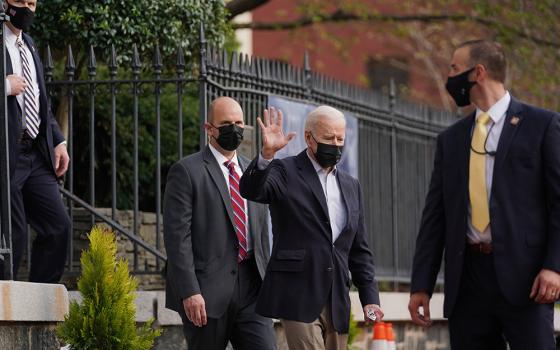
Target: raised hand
column 272, row 134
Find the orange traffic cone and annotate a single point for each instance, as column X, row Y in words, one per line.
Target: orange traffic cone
column 379, row 337
column 391, row 343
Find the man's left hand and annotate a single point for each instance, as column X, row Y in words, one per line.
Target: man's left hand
column 376, row 309
column 61, row 160
column 546, row 288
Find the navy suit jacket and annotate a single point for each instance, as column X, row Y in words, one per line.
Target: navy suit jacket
column 524, row 205
column 49, row 131
column 305, row 266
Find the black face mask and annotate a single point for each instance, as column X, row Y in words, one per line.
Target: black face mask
column 459, row 87
column 20, row 17
column 230, row 136
column 327, row 155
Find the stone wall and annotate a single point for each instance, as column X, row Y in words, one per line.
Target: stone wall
column 29, row 314
column 28, row 336
column 125, row 248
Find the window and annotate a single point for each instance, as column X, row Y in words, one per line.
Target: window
column 380, row 72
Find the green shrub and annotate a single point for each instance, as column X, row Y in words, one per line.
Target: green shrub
column 105, row 319
column 353, row 330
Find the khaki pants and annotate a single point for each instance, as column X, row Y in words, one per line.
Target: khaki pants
column 317, row 335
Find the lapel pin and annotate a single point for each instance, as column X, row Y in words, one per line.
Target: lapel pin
column 514, row 120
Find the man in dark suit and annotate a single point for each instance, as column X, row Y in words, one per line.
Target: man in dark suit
column 37, row 152
column 493, row 210
column 318, row 229
column 217, row 242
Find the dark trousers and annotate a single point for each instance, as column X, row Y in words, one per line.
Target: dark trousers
column 484, row 320
column 36, row 201
column 240, row 325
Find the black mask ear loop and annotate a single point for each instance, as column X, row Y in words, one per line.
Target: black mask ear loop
column 485, row 151
column 212, row 136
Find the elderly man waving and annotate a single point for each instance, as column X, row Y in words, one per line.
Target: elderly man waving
column 319, row 232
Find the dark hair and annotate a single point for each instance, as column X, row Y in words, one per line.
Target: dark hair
column 490, row 54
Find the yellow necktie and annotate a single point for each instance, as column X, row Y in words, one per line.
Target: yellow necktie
column 480, row 215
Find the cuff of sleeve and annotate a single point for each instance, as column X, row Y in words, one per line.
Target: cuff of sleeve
column 62, row 143
column 369, row 297
column 551, row 265
column 8, row 88
column 263, row 163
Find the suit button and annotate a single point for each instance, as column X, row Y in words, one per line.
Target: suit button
column 329, row 269
column 236, row 246
column 233, row 272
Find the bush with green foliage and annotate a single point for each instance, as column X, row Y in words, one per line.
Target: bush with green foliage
column 105, row 319
column 353, row 330
column 121, row 23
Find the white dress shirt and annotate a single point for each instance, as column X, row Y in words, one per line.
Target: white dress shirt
column 497, row 115
column 10, row 41
column 331, row 189
column 221, row 159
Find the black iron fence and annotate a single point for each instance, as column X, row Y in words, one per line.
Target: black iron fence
column 396, row 142
column 127, row 124
column 5, row 212
column 120, row 148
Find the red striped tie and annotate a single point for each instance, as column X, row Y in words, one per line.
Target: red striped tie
column 240, row 218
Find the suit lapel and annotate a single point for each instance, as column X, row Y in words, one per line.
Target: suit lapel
column 308, row 173
column 509, row 131
column 345, row 190
column 252, row 209
column 217, row 176
column 9, row 67
column 464, row 154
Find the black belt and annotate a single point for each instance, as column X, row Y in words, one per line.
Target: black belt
column 25, row 139
column 250, row 258
column 480, row 248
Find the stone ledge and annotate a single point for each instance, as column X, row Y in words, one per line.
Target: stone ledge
column 151, row 304
column 32, row 302
column 395, row 306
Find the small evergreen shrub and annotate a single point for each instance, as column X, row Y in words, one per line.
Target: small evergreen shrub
column 105, row 319
column 353, row 330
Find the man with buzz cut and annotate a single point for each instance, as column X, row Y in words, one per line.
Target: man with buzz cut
column 217, row 242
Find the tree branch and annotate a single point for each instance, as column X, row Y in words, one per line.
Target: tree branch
column 341, row 16
column 237, row 7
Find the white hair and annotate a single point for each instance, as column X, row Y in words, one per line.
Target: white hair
column 322, row 112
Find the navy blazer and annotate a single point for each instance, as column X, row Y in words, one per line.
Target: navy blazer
column 49, row 131
column 305, row 266
column 524, row 205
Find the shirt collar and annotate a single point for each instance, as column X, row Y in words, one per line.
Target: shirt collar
column 498, row 110
column 221, row 158
column 9, row 36
column 316, row 165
